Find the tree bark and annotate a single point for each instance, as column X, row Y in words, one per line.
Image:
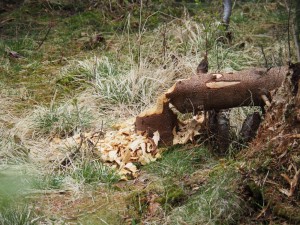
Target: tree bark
column 225, row 90
column 227, row 12
column 296, row 29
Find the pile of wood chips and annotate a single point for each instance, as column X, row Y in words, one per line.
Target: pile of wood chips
column 119, row 149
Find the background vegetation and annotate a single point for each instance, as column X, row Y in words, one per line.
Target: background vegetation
column 75, row 66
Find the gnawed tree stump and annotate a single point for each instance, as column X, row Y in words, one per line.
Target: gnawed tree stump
column 210, row 91
column 159, row 118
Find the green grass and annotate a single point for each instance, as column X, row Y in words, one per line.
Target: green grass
column 62, row 120
column 126, row 75
column 92, row 172
column 86, row 172
column 17, row 214
column 217, row 202
column 14, row 208
column 78, row 73
column 48, row 181
column 178, row 162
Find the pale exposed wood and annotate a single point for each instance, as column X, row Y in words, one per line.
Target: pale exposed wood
column 266, row 100
column 217, row 75
column 221, row 84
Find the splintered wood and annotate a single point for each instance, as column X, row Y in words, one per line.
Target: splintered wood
column 188, row 130
column 119, row 149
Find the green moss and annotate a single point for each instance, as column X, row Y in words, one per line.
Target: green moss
column 137, row 205
column 216, row 202
column 256, row 194
column 282, row 207
column 173, row 196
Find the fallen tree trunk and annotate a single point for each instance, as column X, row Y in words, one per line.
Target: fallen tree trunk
column 225, row 90
column 210, row 91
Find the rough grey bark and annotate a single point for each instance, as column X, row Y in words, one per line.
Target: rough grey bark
column 219, row 130
column 250, row 127
column 297, row 30
column 227, row 12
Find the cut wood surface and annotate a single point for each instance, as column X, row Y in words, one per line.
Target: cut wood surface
column 159, row 118
column 210, row 91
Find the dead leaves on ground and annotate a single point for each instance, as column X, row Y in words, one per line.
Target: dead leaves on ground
column 293, row 182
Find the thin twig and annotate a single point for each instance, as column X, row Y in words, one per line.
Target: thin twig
column 288, row 5
column 45, row 37
column 218, row 64
column 101, row 134
column 68, row 159
column 164, row 41
column 264, row 55
column 140, row 34
column 53, row 100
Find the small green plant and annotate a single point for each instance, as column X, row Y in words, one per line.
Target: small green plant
column 94, row 172
column 48, row 181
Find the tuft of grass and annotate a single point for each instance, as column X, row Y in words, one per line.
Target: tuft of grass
column 12, row 149
column 62, row 120
column 17, row 214
column 14, row 209
column 48, row 181
column 79, row 72
column 91, row 172
column 118, row 84
column 177, row 162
